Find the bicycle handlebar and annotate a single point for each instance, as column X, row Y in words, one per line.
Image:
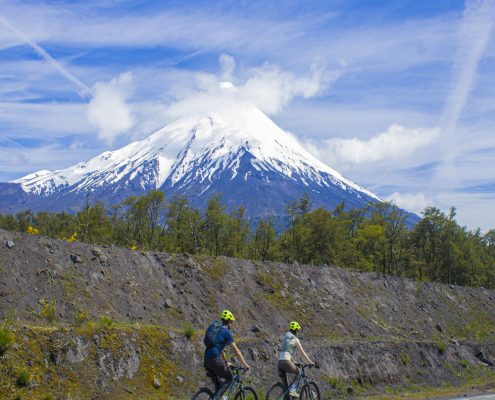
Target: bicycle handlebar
column 305, row 365
column 237, row 367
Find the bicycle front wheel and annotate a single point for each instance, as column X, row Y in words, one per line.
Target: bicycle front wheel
column 276, row 392
column 310, row 391
column 202, row 394
column 246, row 393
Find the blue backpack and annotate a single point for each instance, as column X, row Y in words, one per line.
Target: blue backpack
column 211, row 334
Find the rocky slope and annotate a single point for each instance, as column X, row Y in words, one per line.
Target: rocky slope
column 369, row 333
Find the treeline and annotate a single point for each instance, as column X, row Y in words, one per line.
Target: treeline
column 374, row 238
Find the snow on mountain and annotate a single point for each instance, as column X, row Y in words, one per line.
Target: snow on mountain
column 216, row 142
column 238, row 151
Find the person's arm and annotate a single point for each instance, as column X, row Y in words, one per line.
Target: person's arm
column 305, row 356
column 239, row 355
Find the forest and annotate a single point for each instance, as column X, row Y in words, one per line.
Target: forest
column 374, row 239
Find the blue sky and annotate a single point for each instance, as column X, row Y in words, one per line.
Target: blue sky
column 396, row 95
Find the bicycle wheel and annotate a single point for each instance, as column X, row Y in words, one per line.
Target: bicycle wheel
column 310, row 391
column 276, row 392
column 202, row 394
column 246, row 393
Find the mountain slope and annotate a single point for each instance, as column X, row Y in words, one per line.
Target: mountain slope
column 239, row 152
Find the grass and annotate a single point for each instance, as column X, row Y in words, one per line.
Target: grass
column 6, row 340
column 48, row 310
column 442, row 347
column 404, row 359
column 22, row 378
column 189, row 331
column 105, row 322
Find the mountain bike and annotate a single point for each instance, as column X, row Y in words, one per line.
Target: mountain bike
column 236, row 390
column 307, row 389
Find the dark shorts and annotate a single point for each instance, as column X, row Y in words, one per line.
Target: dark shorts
column 219, row 367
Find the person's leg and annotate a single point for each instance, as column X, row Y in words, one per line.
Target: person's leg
column 221, row 369
column 291, row 368
column 211, row 371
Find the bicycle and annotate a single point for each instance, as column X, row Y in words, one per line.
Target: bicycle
column 241, row 392
column 309, row 389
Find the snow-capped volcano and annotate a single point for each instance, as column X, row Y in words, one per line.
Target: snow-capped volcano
column 239, row 152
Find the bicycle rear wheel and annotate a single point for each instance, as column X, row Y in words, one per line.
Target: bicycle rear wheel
column 310, row 391
column 246, row 393
column 276, row 392
column 202, row 394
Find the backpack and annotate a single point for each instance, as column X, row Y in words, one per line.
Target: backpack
column 211, row 334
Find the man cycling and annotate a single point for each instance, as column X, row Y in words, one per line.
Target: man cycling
column 285, row 363
column 217, row 337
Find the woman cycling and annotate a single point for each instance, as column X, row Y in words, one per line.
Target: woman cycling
column 290, row 343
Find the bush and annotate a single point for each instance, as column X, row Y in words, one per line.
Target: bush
column 404, row 358
column 32, row 231
column 22, row 378
column 48, row 310
column 47, row 397
column 105, row 322
column 6, row 340
column 189, row 331
column 442, row 347
column 80, row 317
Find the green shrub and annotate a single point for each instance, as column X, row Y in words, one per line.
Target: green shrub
column 80, row 317
column 442, row 347
column 404, row 358
column 22, row 378
column 48, row 310
column 337, row 384
column 189, row 331
column 47, row 397
column 6, row 340
column 105, row 322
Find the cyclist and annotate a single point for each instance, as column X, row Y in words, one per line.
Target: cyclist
column 217, row 337
column 285, row 363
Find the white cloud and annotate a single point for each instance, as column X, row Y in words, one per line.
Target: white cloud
column 108, row 110
column 415, row 202
column 474, row 34
column 473, row 37
column 395, row 143
column 227, row 65
column 267, row 87
column 84, row 90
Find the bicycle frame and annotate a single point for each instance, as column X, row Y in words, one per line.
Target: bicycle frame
column 302, row 377
column 235, row 384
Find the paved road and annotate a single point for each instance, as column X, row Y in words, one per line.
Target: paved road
column 482, row 397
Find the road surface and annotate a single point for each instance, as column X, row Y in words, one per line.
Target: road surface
column 480, row 397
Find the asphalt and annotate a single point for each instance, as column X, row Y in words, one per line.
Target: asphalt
column 480, row 397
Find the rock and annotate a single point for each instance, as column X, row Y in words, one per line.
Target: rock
column 76, row 259
column 362, row 334
column 180, row 378
column 253, row 353
column 255, row 328
column 9, row 244
column 168, row 303
column 156, row 383
column 439, row 327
